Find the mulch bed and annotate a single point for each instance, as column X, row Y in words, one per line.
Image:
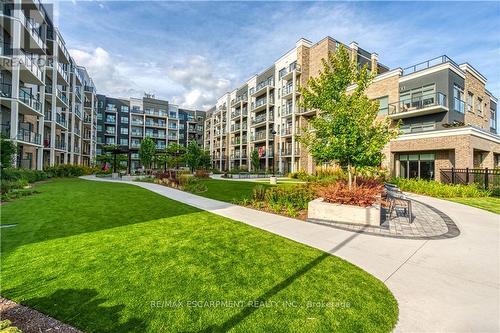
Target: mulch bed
column 31, row 321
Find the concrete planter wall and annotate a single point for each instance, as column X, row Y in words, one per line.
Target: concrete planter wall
column 331, row 212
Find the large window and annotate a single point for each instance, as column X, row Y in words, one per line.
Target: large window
column 417, row 165
column 124, row 130
column 418, row 127
column 418, row 98
column 124, row 120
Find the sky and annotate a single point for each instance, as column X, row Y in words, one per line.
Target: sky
column 191, row 53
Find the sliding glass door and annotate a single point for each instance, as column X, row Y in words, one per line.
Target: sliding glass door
column 417, row 165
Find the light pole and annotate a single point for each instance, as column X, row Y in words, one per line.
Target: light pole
column 273, row 132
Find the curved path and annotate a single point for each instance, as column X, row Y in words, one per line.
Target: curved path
column 450, row 285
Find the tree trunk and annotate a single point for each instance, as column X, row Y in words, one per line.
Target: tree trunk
column 349, row 173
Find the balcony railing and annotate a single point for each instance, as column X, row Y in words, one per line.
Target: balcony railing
column 417, row 103
column 29, row 137
column 87, row 104
column 31, row 63
column 155, row 113
column 62, row 96
column 27, row 98
column 262, row 118
column 136, row 133
column 137, row 122
column 61, row 120
column 427, row 64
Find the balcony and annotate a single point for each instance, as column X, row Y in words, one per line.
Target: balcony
column 87, row 104
column 33, row 29
column 287, row 110
column 29, row 70
column 155, row 113
column 238, row 155
column 137, row 122
column 288, row 92
column 288, row 131
column 261, row 88
column 262, row 118
column 111, row 109
column 288, row 151
column 239, row 140
column 172, row 137
column 60, row 145
column 418, row 106
column 78, row 113
column 76, row 150
column 238, row 99
column 155, row 124
column 77, row 131
column 262, row 103
column 260, row 136
column 288, row 74
column 62, row 97
column 29, row 137
column 136, row 133
column 87, row 119
column 29, row 103
column 63, row 73
column 135, row 145
column 61, row 120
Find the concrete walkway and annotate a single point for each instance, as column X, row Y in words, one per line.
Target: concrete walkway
column 448, row 285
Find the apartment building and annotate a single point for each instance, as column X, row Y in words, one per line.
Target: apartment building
column 264, row 113
column 127, row 121
column 447, row 116
column 47, row 100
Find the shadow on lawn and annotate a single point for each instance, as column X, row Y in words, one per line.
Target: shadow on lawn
column 81, row 308
column 68, row 207
column 247, row 311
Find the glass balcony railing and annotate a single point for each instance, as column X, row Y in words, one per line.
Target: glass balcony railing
column 61, row 120
column 27, row 98
column 418, row 103
column 62, row 96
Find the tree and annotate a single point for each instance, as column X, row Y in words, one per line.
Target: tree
column 175, row 155
column 147, row 152
column 205, row 161
column 193, row 155
column 255, row 159
column 7, row 151
column 346, row 129
column 114, row 155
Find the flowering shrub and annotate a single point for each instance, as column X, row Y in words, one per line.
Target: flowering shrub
column 201, row 174
column 364, row 194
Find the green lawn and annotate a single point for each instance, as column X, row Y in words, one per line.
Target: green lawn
column 117, row 258
column 491, row 204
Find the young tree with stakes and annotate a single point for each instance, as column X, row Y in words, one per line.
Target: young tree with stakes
column 346, row 129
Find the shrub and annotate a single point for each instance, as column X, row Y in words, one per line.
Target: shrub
column 70, row 170
column 9, row 185
column 296, row 197
column 259, row 193
column 201, row 174
column 440, row 190
column 31, row 176
column 6, row 327
column 364, row 194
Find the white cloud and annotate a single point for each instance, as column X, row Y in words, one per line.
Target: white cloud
column 191, row 83
column 199, row 82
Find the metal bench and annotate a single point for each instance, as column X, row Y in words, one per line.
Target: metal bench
column 396, row 198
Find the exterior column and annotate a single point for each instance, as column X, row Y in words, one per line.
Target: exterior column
column 14, row 111
column 294, row 86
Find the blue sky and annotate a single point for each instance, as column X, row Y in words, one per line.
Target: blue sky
column 193, row 52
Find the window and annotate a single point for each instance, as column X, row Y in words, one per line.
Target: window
column 99, row 116
column 493, row 120
column 181, row 126
column 416, row 165
column 124, row 142
column 418, row 127
column 458, row 95
column 383, row 105
column 125, row 108
column 479, row 106
column 99, row 128
column 282, row 72
column 124, row 130
column 110, row 140
column 470, row 101
column 124, row 120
